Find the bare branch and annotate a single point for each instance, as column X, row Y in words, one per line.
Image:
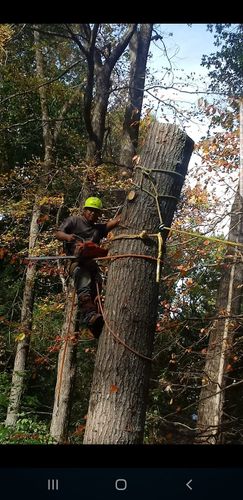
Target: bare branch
column 120, row 47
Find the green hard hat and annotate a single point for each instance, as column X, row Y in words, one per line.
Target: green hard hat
column 93, row 202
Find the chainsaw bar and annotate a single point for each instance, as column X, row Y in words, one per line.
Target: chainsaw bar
column 51, row 257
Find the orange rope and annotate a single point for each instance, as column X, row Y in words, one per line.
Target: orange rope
column 137, row 256
column 115, row 335
column 141, row 256
column 102, row 312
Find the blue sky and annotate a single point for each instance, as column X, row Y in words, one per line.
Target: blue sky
column 185, row 50
column 192, row 41
column 187, row 45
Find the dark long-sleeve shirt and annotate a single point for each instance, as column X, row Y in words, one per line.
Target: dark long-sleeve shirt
column 85, row 231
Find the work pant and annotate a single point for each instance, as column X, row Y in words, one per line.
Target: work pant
column 86, row 277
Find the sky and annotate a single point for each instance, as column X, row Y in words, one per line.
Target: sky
column 185, row 49
column 192, row 41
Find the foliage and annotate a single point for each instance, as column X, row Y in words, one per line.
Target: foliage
column 227, row 62
column 85, row 364
column 21, row 138
column 192, row 266
column 191, row 275
column 27, row 431
column 4, row 393
column 6, row 33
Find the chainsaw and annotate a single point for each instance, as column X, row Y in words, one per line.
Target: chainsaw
column 89, row 250
column 83, row 250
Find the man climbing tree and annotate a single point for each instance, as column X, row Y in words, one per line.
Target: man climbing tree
column 82, row 235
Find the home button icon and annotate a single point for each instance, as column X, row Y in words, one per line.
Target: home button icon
column 121, row 484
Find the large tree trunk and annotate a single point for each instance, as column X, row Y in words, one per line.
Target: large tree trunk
column 229, row 303
column 139, row 47
column 18, row 377
column 120, row 383
column 66, row 369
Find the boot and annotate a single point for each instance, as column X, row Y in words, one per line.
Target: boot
column 96, row 324
column 93, row 320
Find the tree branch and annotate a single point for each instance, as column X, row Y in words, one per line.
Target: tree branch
column 120, row 47
column 37, row 87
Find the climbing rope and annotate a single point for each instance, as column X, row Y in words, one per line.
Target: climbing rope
column 143, row 236
column 115, row 335
column 147, row 171
column 203, row 236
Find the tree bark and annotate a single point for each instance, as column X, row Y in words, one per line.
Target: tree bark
column 67, row 366
column 66, row 369
column 229, row 303
column 94, row 146
column 21, row 356
column 139, row 47
column 49, row 138
column 119, row 391
column 19, row 370
column 47, row 132
column 98, row 81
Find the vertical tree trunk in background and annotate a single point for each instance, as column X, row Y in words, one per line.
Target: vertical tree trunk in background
column 94, row 146
column 120, row 383
column 97, row 90
column 229, row 303
column 18, row 377
column 139, row 47
column 241, row 148
column 47, row 132
column 28, row 295
column 66, row 369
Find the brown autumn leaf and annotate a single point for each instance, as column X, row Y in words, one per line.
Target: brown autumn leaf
column 79, row 429
column 189, row 282
column 169, row 436
column 228, row 368
column 39, row 360
column 183, row 269
column 113, row 388
column 3, row 252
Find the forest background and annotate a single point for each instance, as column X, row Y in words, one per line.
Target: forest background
column 77, row 103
